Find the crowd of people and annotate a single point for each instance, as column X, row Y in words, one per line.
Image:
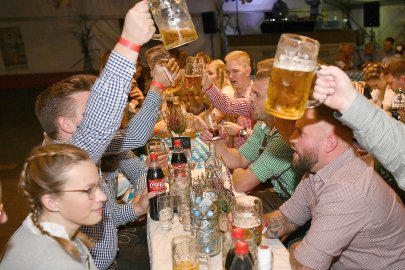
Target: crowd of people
column 338, row 172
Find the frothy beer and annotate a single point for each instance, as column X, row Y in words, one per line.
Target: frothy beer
column 175, row 37
column 193, row 82
column 288, row 89
column 185, row 265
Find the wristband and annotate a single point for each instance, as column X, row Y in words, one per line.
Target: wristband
column 158, row 85
column 209, row 86
column 238, row 133
column 126, row 43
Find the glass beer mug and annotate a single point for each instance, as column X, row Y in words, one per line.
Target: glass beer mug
column 185, row 255
column 174, row 22
column 292, row 75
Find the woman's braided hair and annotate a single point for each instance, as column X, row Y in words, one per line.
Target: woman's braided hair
column 44, row 172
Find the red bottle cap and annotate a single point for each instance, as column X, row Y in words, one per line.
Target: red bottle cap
column 237, row 233
column 153, row 156
column 177, row 143
column 241, row 248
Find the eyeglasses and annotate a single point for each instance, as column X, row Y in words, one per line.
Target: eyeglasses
column 91, row 191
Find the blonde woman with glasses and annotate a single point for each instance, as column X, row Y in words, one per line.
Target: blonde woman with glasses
column 62, row 187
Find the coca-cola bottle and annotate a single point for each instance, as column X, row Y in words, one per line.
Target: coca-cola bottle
column 242, row 260
column 237, row 236
column 156, row 182
column 178, row 156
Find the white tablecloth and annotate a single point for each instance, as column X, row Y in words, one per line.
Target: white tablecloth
column 159, row 244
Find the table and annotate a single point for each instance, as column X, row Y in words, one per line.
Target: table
column 159, row 241
column 159, row 245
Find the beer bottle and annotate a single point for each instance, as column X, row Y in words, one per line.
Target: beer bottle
column 156, row 182
column 178, row 156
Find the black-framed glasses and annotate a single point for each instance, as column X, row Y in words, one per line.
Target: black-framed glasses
column 91, row 191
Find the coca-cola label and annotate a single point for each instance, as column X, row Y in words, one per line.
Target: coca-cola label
column 157, row 185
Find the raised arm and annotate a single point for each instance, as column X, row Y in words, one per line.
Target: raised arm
column 108, row 95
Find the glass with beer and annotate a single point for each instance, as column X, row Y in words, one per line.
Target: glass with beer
column 247, row 213
column 185, row 255
column 193, row 73
column 174, row 22
column 292, row 74
column 159, row 54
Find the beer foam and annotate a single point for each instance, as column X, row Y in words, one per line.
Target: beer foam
column 294, row 63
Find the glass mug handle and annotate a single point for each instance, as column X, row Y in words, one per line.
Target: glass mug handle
column 204, row 261
column 312, row 102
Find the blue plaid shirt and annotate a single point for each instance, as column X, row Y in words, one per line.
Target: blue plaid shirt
column 98, row 135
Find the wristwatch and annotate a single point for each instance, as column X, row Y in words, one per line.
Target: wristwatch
column 243, row 132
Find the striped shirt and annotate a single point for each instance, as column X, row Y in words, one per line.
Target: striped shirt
column 358, row 222
column 275, row 163
column 383, row 136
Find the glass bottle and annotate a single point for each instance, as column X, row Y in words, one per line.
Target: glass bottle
column 156, row 182
column 213, row 167
column 242, row 260
column 178, row 155
column 237, row 236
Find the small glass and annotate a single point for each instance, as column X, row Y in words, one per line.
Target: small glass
column 165, row 208
column 184, row 209
column 212, row 124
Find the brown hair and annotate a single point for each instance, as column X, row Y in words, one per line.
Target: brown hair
column 44, row 173
column 265, row 65
column 241, row 56
column 56, row 101
column 373, row 71
column 396, row 69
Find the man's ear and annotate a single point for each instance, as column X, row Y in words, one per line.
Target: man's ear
column 66, row 125
column 50, row 202
column 248, row 70
column 331, row 143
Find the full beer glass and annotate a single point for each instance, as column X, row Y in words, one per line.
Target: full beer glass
column 174, row 22
column 293, row 70
column 193, row 73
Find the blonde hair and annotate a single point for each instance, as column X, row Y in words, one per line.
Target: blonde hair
column 241, row 56
column 220, row 71
column 373, row 71
column 45, row 173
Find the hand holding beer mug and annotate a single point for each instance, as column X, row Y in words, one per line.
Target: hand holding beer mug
column 292, row 76
column 193, row 73
column 247, row 213
column 158, row 55
column 174, row 22
column 185, row 255
column 213, row 127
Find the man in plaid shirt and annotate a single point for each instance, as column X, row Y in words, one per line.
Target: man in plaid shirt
column 70, row 113
column 238, row 71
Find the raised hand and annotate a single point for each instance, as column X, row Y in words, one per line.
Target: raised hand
column 334, row 88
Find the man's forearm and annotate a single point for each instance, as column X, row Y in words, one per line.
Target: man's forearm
column 231, row 156
column 295, row 265
column 278, row 225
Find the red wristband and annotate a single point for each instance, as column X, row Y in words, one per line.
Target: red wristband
column 158, row 85
column 209, row 86
column 128, row 44
column 238, row 133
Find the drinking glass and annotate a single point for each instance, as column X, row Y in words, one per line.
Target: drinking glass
column 179, row 176
column 174, row 22
column 185, row 255
column 212, row 125
column 247, row 213
column 193, row 73
column 184, row 209
column 292, row 74
column 165, row 208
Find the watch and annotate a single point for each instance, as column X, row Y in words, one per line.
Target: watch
column 243, row 132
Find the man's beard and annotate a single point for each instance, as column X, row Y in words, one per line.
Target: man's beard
column 305, row 163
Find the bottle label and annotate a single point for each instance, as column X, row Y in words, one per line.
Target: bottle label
column 157, row 185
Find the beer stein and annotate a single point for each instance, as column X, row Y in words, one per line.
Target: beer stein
column 247, row 213
column 174, row 22
column 292, row 75
column 185, row 255
column 193, row 73
column 159, row 54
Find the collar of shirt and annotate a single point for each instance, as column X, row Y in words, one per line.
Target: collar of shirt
column 52, row 228
column 246, row 93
